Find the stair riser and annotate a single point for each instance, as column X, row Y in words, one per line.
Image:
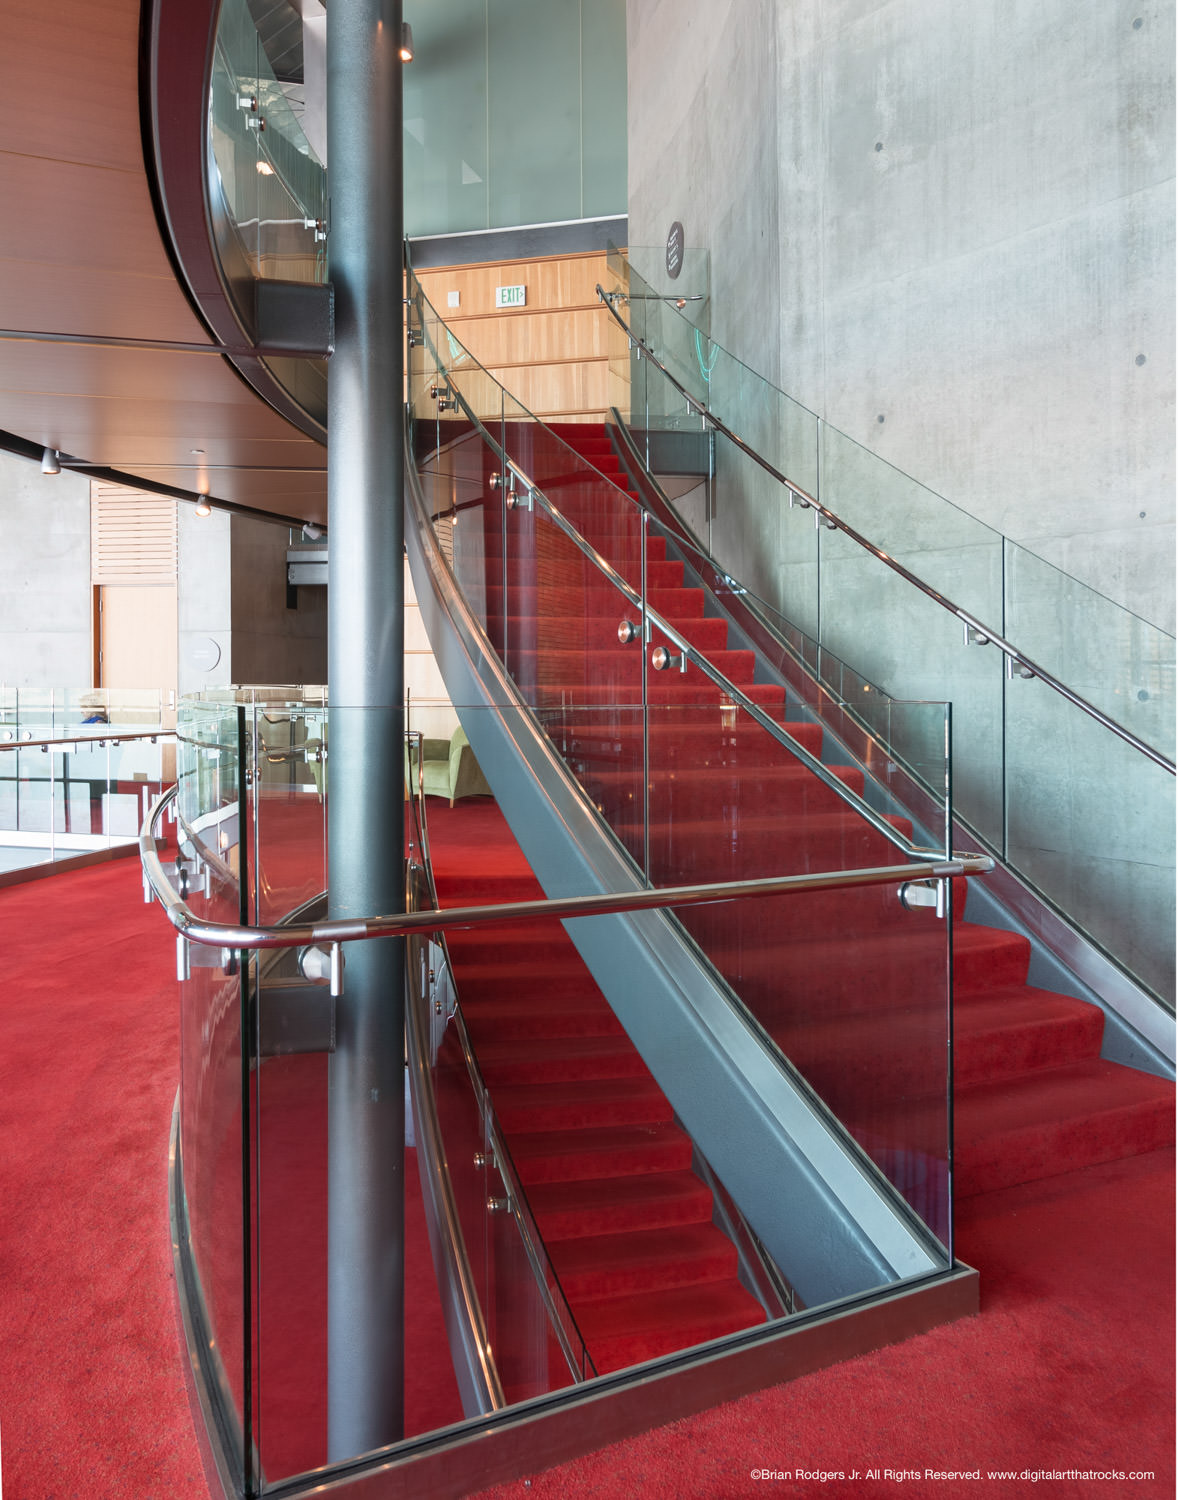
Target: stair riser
column 600, row 633
column 618, row 667
column 551, row 602
column 622, row 1064
column 586, row 1166
column 526, row 1118
column 1007, row 1159
column 692, row 799
column 601, row 743
column 676, row 695
column 794, row 983
column 622, row 1217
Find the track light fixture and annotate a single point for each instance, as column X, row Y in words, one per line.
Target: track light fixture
column 202, row 507
column 311, row 532
column 406, row 42
column 51, row 461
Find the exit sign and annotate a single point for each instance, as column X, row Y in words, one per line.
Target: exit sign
column 511, row 296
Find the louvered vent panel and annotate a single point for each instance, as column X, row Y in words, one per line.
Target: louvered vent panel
column 132, row 536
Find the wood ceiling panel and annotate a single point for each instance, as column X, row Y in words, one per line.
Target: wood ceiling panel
column 73, row 215
column 116, row 374
column 91, row 427
column 41, row 298
column 81, row 253
column 303, row 495
column 90, row 110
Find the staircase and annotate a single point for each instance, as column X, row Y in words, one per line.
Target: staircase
column 625, row 1220
column 846, row 983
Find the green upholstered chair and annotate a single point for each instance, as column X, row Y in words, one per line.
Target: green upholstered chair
column 449, row 768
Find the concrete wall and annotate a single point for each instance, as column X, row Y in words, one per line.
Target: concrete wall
column 203, row 600
column 954, row 218
column 46, row 617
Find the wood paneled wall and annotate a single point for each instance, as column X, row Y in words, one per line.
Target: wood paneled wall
column 551, row 353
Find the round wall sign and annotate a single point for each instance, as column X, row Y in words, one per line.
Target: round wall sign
column 204, row 654
column 674, row 249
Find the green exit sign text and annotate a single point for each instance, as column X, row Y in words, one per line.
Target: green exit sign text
column 511, row 296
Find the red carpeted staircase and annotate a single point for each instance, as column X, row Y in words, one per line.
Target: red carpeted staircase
column 849, row 984
column 607, row 1171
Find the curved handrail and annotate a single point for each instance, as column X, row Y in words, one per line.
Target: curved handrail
column 339, row 930
column 984, row 634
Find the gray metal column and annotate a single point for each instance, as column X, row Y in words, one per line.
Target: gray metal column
column 366, row 1121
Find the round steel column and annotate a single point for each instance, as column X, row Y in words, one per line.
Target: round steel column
column 366, row 1123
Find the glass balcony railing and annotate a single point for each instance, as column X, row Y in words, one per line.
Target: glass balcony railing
column 518, row 1299
column 1032, row 771
column 78, row 770
column 267, row 189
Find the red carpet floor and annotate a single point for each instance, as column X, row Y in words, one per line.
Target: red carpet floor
column 1069, row 1365
column 92, row 1400
column 92, row 1397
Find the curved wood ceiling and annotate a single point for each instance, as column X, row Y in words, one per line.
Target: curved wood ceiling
column 82, row 262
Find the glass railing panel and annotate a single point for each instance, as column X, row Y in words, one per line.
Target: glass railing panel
column 108, row 789
column 274, row 186
column 1120, row 663
column 567, row 657
column 213, row 1070
column 943, row 546
column 729, row 801
column 646, row 275
column 290, row 1093
column 34, row 798
column 598, row 508
column 532, row 1331
column 850, row 717
column 915, row 649
column 853, row 990
column 899, row 637
column 287, row 809
column 234, row 117
column 525, row 1321
column 292, row 190
column 422, row 376
column 1090, row 823
column 466, row 512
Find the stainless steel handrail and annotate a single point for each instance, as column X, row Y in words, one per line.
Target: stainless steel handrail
column 88, row 739
column 358, row 929
column 971, row 622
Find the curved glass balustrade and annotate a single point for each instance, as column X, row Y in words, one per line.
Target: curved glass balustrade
column 268, row 190
column 1079, row 814
column 524, row 1315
